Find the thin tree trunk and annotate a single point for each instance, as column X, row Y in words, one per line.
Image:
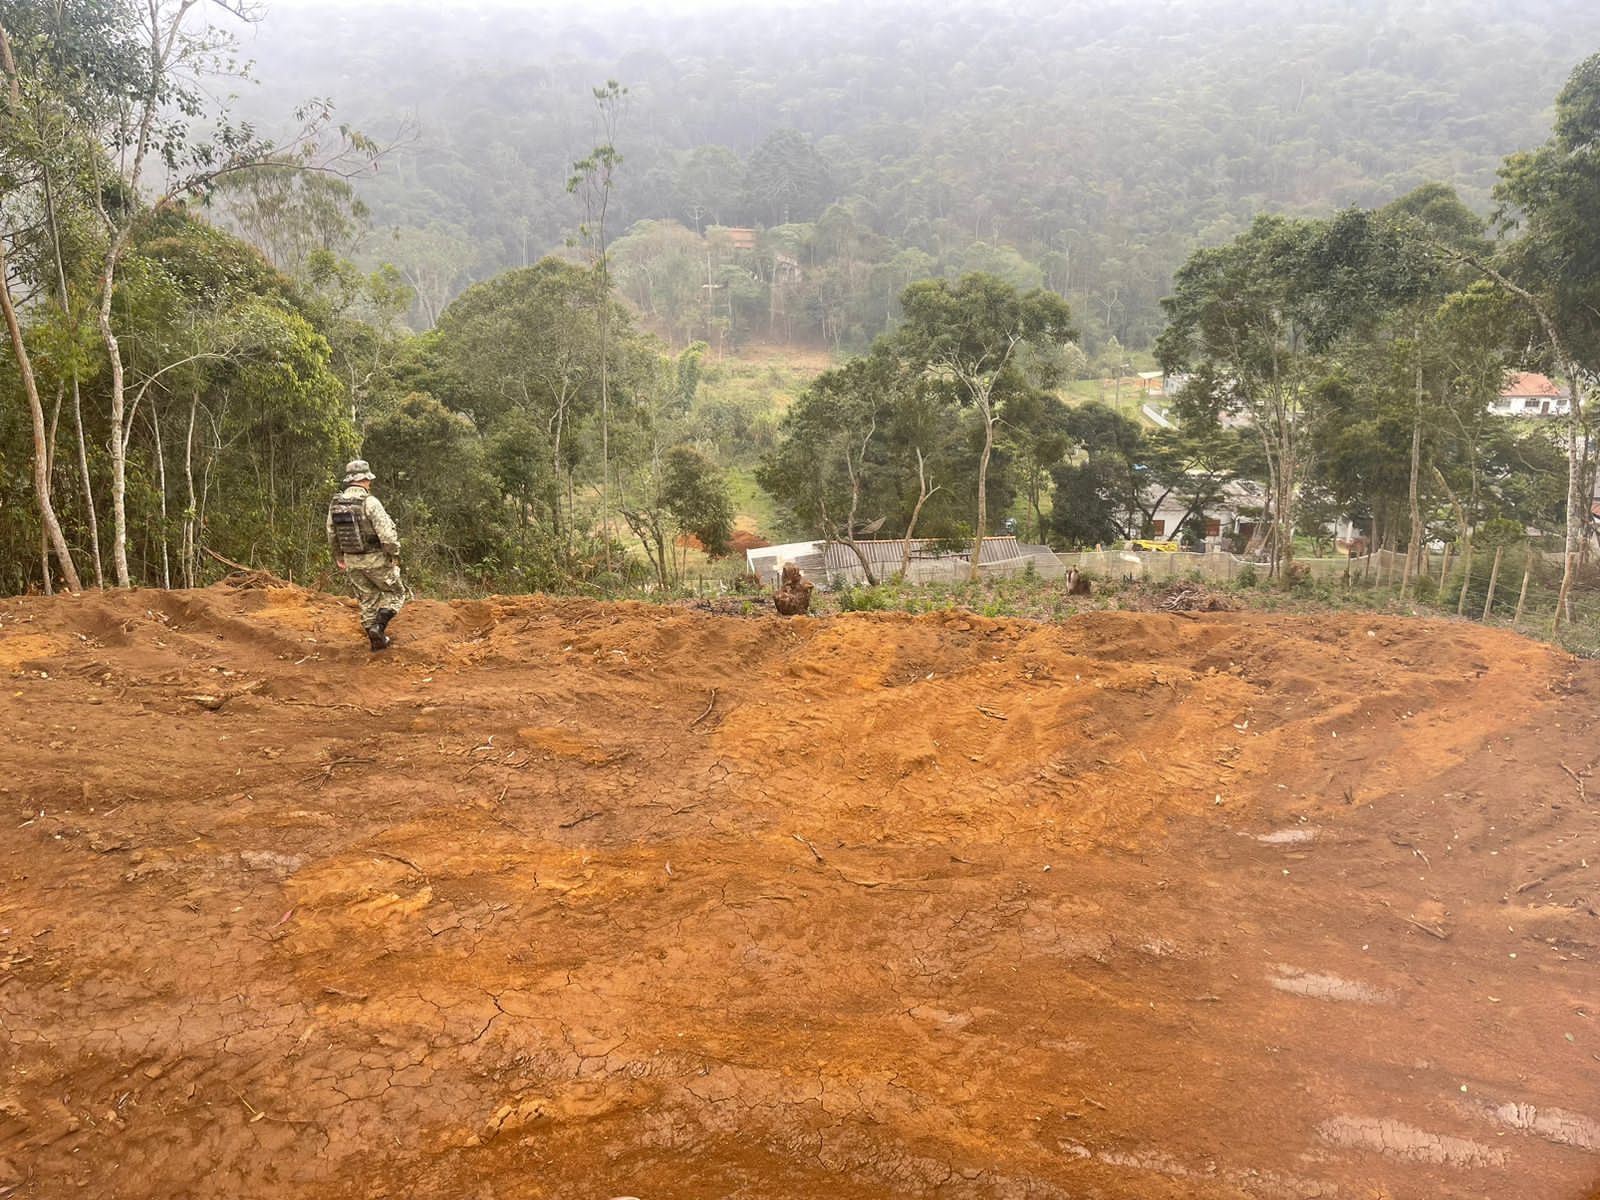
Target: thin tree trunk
column 866, row 565
column 50, row 474
column 1578, row 504
column 1288, row 473
column 88, row 485
column 1561, row 597
column 161, row 479
column 605, row 375
column 923, row 492
column 213, row 452
column 41, row 474
column 987, row 409
column 1494, row 579
column 119, row 441
column 160, row 52
column 190, row 510
column 1416, row 469
column 1522, row 596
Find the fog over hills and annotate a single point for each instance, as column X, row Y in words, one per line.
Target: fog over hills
column 1083, row 146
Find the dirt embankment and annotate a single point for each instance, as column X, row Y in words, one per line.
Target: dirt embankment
column 563, row 899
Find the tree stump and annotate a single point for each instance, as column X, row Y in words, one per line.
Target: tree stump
column 794, row 592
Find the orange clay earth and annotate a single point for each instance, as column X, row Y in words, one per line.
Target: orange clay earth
column 570, row 899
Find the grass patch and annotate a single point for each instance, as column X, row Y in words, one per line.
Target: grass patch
column 753, row 508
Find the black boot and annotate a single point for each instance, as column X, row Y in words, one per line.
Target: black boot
column 375, row 639
column 385, row 615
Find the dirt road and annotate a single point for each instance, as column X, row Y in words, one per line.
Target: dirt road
column 564, row 899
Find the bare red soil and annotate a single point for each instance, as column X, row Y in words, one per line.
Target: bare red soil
column 565, row 899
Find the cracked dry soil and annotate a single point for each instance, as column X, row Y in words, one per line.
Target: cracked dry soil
column 568, row 899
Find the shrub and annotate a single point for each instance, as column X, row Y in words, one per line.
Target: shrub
column 865, row 599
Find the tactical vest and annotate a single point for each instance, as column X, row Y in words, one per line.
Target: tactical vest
column 353, row 531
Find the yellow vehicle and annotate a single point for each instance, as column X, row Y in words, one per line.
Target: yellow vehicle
column 1159, row 547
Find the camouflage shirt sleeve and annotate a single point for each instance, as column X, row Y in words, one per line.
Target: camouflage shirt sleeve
column 332, row 543
column 384, row 524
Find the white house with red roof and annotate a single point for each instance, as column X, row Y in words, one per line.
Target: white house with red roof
column 1530, row 394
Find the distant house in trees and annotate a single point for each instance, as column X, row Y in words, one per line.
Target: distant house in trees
column 740, row 239
column 1528, row 393
column 1235, row 514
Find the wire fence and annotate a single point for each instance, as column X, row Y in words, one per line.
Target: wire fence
column 1516, row 586
column 1221, row 567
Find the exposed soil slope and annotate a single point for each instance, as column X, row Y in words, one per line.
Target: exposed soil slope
column 565, row 899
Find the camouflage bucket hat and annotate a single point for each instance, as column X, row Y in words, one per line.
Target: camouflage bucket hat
column 356, row 470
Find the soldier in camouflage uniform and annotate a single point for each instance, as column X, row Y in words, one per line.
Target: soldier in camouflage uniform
column 366, row 547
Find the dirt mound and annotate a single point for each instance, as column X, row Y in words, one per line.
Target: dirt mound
column 562, row 898
column 742, row 540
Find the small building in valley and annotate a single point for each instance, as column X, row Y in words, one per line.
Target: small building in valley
column 1530, row 394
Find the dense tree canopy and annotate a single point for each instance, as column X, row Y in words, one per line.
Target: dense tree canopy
column 1080, row 146
column 962, row 208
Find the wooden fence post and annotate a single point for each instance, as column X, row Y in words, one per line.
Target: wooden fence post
column 1494, row 578
column 1466, row 578
column 1522, row 599
column 1444, row 571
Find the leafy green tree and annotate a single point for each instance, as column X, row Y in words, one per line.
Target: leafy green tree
column 435, row 261
column 661, row 268
column 1114, row 446
column 707, row 183
column 291, row 213
column 63, row 66
column 786, row 179
column 128, row 113
column 594, row 180
column 967, row 337
column 694, row 491
column 674, row 490
column 1255, row 321
column 828, row 467
column 438, row 485
column 1037, row 427
column 1551, row 199
column 1087, row 504
column 359, row 313
column 528, row 342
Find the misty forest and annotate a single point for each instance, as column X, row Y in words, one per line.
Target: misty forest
column 607, row 294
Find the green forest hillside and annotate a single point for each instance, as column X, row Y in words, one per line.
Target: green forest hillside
column 1082, row 146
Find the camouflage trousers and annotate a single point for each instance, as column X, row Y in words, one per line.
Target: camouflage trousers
column 376, row 587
